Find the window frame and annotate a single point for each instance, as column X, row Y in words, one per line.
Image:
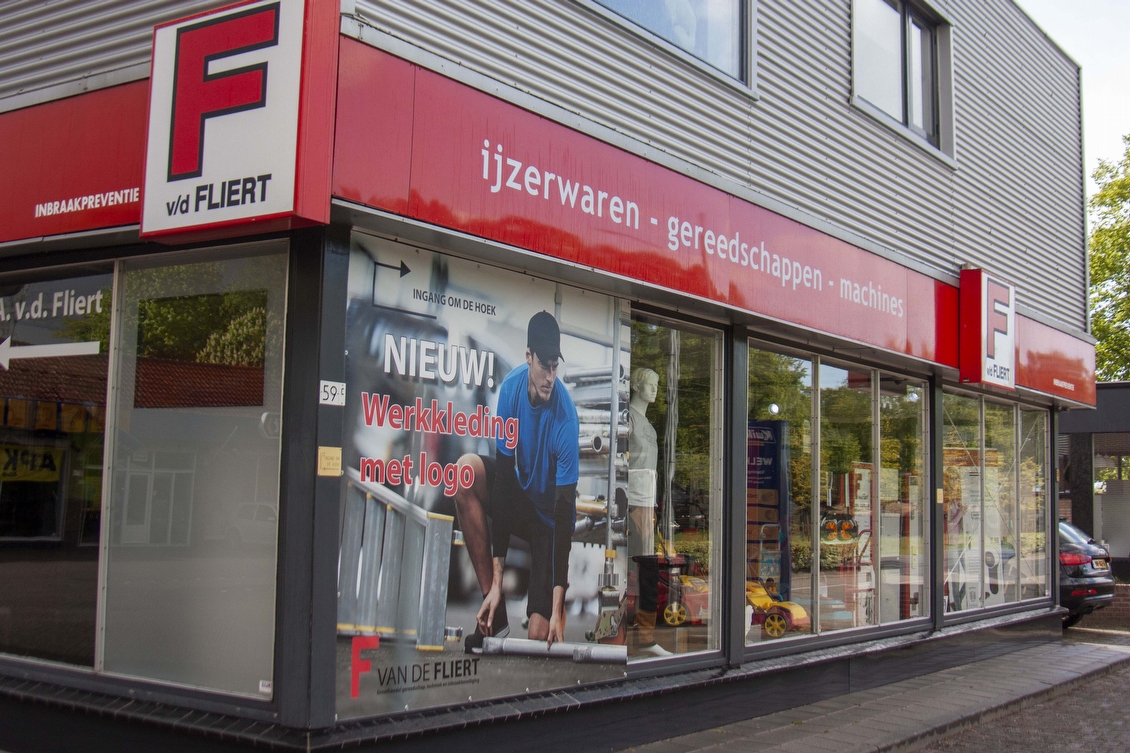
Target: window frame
column 747, row 45
column 909, row 16
column 940, row 143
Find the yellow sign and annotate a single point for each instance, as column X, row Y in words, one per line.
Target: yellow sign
column 329, row 461
column 30, row 463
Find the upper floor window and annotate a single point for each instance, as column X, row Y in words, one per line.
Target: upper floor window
column 710, row 30
column 896, row 54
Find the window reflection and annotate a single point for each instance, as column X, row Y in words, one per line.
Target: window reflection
column 893, row 63
column 674, row 495
column 903, row 519
column 878, row 54
column 1033, row 504
column 996, row 504
column 52, row 415
column 711, row 30
column 847, row 515
column 1000, row 504
column 190, row 572
column 868, row 534
column 962, row 501
column 778, row 497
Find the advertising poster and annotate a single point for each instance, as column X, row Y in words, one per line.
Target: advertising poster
column 485, row 414
column 767, row 504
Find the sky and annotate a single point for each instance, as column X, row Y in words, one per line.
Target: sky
column 1096, row 34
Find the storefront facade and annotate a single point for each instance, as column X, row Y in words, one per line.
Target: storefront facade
column 356, row 385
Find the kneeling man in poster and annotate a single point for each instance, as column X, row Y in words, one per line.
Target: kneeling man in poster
column 528, row 491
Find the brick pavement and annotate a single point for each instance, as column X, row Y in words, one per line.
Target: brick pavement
column 1090, row 717
column 915, row 712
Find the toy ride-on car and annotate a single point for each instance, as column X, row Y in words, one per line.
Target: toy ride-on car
column 775, row 616
column 691, row 603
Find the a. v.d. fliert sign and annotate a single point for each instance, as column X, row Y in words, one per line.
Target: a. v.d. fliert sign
column 988, row 330
column 228, row 125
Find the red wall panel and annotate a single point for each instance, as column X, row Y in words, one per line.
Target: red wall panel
column 92, row 145
column 419, row 144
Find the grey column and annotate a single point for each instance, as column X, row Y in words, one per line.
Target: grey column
column 1081, row 481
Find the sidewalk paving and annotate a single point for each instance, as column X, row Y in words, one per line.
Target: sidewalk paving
column 917, row 712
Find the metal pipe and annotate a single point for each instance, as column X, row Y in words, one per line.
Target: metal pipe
column 582, row 653
column 609, row 579
column 593, row 445
column 595, row 373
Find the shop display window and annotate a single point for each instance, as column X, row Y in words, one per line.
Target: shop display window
column 1032, row 497
column 904, row 571
column 779, row 437
column 995, row 503
column 674, row 495
column 53, row 355
column 961, row 484
column 858, row 556
column 1000, row 561
column 190, row 554
column 847, row 516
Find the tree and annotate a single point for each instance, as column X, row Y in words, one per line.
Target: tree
column 1110, row 267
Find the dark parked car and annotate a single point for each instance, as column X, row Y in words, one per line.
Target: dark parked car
column 1085, row 580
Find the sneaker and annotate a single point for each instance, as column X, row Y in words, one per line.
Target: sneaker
column 473, row 643
column 655, row 650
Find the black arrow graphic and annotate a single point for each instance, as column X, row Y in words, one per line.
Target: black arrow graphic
column 403, row 267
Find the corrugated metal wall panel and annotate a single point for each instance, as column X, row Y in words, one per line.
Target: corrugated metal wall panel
column 563, row 54
column 45, row 43
column 1018, row 198
column 1013, row 205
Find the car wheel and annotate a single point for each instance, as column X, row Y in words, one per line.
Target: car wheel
column 675, row 613
column 1071, row 620
column 775, row 625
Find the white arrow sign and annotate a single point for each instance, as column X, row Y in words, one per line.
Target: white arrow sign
column 9, row 351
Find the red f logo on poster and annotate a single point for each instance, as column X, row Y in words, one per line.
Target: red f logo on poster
column 359, row 666
column 199, row 95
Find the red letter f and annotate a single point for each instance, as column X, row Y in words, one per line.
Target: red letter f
column 358, row 666
column 995, row 319
column 199, row 95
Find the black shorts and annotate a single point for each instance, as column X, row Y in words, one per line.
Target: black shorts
column 518, row 517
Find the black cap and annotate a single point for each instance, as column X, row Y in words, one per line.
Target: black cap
column 543, row 336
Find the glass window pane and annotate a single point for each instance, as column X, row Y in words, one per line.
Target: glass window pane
column 878, row 54
column 847, row 518
column 711, row 30
column 904, row 523
column 778, row 497
column 1033, row 501
column 1000, row 504
column 961, row 482
column 190, row 578
column 52, row 411
column 914, row 75
column 920, row 77
column 676, row 434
